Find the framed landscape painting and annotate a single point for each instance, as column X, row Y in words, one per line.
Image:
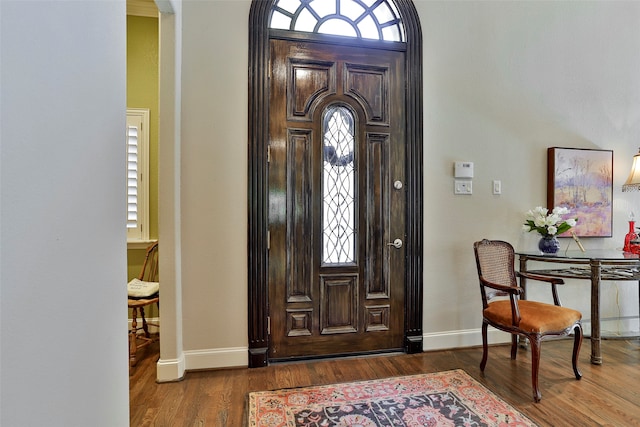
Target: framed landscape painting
column 581, row 180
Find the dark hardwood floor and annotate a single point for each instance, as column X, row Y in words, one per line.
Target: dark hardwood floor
column 607, row 395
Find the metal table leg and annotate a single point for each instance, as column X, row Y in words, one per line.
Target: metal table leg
column 596, row 356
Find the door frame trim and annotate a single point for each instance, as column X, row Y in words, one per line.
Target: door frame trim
column 258, row 133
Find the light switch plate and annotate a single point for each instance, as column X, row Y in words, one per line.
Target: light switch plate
column 497, row 187
column 462, row 187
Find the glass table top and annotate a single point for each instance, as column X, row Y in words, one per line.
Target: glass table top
column 600, row 254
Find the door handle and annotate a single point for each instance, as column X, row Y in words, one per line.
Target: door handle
column 396, row 243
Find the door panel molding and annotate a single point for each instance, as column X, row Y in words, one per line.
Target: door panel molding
column 303, row 94
column 370, row 87
column 258, row 155
column 338, row 312
column 299, row 204
column 377, row 182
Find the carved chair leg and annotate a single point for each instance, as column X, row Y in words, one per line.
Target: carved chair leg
column 535, row 342
column 485, row 346
column 514, row 346
column 133, row 345
column 577, row 342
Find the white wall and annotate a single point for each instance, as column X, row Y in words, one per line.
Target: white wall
column 171, row 364
column 63, row 330
column 502, row 82
column 214, row 182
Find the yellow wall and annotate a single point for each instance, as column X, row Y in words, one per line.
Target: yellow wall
column 142, row 92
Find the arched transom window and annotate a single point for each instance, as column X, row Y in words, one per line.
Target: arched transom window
column 363, row 19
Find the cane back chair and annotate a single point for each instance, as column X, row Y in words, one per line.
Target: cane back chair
column 535, row 321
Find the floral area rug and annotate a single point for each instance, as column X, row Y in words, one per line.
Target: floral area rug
column 450, row 398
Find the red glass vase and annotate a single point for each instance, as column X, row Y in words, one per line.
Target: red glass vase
column 631, row 236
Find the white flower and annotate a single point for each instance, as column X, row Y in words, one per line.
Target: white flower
column 553, row 219
column 548, row 224
column 540, row 221
column 560, row 210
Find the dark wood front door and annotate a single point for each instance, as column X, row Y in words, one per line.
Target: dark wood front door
column 336, row 200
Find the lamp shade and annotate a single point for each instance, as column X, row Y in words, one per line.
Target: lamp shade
column 633, row 181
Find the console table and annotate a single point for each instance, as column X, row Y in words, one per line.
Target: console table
column 594, row 265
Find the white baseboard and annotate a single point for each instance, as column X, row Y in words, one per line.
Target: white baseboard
column 168, row 370
column 462, row 338
column 231, row 357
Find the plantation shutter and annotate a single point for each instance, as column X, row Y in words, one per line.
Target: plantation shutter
column 137, row 166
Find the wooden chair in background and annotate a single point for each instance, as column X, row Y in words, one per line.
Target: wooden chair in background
column 533, row 320
column 148, row 274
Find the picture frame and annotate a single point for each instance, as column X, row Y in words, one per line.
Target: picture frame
column 581, row 180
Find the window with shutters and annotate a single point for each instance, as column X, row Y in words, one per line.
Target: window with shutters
column 137, row 142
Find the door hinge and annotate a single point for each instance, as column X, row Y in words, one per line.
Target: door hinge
column 269, row 72
column 268, row 154
column 268, row 240
column 268, row 325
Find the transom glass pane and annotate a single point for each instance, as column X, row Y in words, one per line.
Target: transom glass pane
column 351, row 9
column 280, row 21
column 383, row 13
column 336, row 26
column 390, row 33
column 368, row 28
column 304, row 21
column 364, row 19
column 324, row 7
column 289, row 5
column 338, row 186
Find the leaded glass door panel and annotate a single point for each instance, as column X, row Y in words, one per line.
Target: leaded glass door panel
column 336, row 200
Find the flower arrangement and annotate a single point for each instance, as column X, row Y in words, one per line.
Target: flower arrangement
column 548, row 224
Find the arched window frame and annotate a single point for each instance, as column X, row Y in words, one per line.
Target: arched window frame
column 365, row 18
